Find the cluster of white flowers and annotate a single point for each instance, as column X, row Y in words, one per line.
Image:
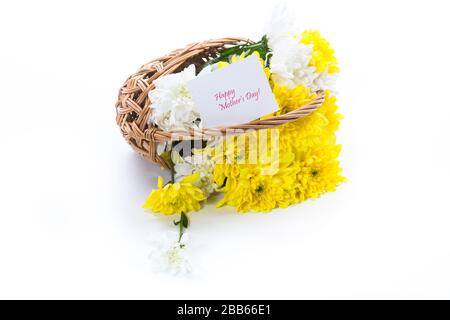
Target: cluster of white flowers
column 289, row 62
column 174, row 109
column 193, row 164
column 172, row 105
column 170, row 255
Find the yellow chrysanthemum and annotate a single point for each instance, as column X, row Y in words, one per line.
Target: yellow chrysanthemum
column 176, row 197
column 291, row 99
column 318, row 172
column 322, row 58
column 310, row 131
column 251, row 148
column 329, row 109
column 249, row 187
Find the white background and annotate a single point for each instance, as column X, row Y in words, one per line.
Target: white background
column 71, row 189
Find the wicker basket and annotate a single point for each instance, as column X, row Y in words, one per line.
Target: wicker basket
column 133, row 106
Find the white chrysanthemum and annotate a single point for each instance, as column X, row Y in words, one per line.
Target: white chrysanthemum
column 170, row 255
column 289, row 63
column 193, row 164
column 290, row 59
column 172, row 105
column 280, row 25
column 324, row 81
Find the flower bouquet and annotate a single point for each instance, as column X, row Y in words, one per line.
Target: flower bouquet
column 275, row 161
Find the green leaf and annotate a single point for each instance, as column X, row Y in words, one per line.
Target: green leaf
column 184, row 220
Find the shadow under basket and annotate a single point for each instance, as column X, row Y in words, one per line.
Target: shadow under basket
column 133, row 106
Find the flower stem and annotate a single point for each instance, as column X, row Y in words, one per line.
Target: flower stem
column 261, row 47
column 181, row 232
column 172, row 174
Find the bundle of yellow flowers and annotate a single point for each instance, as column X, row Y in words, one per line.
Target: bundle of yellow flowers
column 296, row 161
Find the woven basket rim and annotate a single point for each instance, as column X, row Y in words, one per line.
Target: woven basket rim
column 159, row 135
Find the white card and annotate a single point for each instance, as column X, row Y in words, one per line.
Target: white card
column 236, row 94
